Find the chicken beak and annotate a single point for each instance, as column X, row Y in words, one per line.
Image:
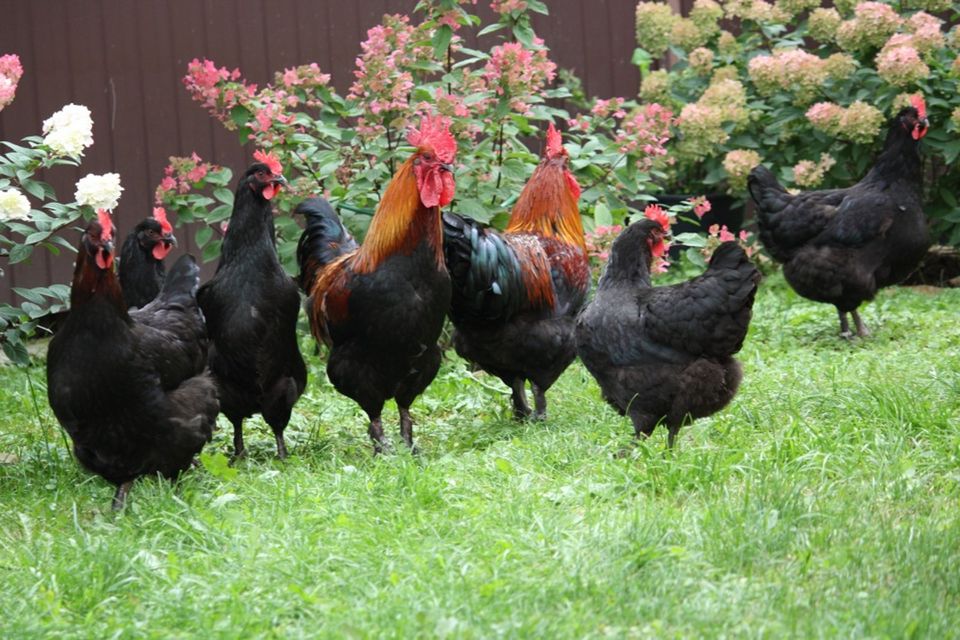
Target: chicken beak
column 170, row 240
column 108, row 246
column 446, row 166
column 279, row 179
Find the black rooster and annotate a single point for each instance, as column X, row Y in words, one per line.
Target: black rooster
column 251, row 308
column 666, row 353
column 131, row 389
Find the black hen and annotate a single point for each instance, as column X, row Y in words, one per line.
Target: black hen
column 141, row 259
column 666, row 353
column 841, row 245
column 131, row 389
column 251, row 307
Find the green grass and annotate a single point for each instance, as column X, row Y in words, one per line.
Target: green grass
column 824, row 502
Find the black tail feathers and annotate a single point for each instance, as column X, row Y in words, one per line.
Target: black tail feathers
column 323, row 240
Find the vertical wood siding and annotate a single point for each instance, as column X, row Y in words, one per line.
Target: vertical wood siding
column 125, row 60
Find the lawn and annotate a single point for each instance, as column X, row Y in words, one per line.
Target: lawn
column 824, row 502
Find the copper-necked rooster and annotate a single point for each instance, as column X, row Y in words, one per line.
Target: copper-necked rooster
column 516, row 294
column 380, row 308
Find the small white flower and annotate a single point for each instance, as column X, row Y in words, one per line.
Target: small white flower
column 14, row 205
column 69, row 131
column 100, row 192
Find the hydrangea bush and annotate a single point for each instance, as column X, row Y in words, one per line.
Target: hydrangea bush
column 804, row 88
column 32, row 216
column 347, row 147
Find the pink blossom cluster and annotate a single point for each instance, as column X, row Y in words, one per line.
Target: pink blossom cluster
column 872, row 24
column 10, row 73
column 901, row 66
column 925, row 32
column 701, row 206
column 809, row 174
column 600, row 240
column 738, row 164
column 517, row 73
column 718, row 234
column 383, row 82
column 307, row 76
column 860, row 122
column 508, row 6
column 181, row 175
column 217, row 88
column 645, row 133
column 603, row 108
column 456, row 109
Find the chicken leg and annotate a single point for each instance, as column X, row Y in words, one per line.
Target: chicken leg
column 120, row 497
column 406, row 428
column 844, row 325
column 862, row 330
column 539, row 402
column 376, row 434
column 521, row 410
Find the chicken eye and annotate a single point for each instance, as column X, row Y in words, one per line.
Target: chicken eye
column 428, row 157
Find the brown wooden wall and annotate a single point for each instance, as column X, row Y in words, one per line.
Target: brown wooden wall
column 124, row 59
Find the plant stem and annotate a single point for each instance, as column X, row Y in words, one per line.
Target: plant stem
column 499, row 161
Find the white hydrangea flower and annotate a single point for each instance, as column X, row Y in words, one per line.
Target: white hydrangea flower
column 69, row 131
column 14, row 205
column 100, row 192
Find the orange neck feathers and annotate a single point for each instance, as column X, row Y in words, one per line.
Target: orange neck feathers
column 547, row 208
column 400, row 223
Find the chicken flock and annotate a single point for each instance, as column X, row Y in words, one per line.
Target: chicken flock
column 147, row 359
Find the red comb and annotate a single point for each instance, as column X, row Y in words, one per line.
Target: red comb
column 270, row 160
column 106, row 224
column 655, row 213
column 434, row 134
column 554, row 142
column 160, row 215
column 917, row 101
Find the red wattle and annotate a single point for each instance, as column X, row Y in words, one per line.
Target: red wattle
column 104, row 263
column 269, row 191
column 160, row 250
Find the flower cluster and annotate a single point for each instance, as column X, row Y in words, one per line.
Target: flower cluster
column 809, row 174
column 758, row 11
column 655, row 86
column 701, row 206
column 654, row 22
column 69, row 131
column 644, row 134
column 702, row 123
column 792, row 70
column 508, row 6
column 925, row 32
column 901, row 66
column 718, row 234
column 823, row 24
column 181, row 175
column 218, row 89
column 99, row 191
column 303, row 78
column 13, row 205
column 383, row 77
column 738, row 164
column 600, row 240
column 860, row 122
column 516, row 73
column 872, row 24
column 701, row 61
column 10, row 74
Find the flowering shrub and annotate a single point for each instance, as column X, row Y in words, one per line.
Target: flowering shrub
column 347, row 147
column 24, row 226
column 805, row 88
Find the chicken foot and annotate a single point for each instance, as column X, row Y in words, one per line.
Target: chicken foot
column 238, row 449
column 281, row 445
column 862, row 330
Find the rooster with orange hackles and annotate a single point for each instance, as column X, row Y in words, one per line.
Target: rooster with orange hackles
column 516, row 294
column 380, row 307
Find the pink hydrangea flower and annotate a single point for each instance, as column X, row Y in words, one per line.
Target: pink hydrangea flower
column 700, row 206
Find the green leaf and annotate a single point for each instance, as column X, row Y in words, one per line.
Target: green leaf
column 524, row 34
column 691, row 239
column 218, row 466
column 441, row 40
column 203, row 236
column 33, row 188
column 601, row 215
column 20, row 252
column 224, row 195
column 491, row 29
column 33, row 295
